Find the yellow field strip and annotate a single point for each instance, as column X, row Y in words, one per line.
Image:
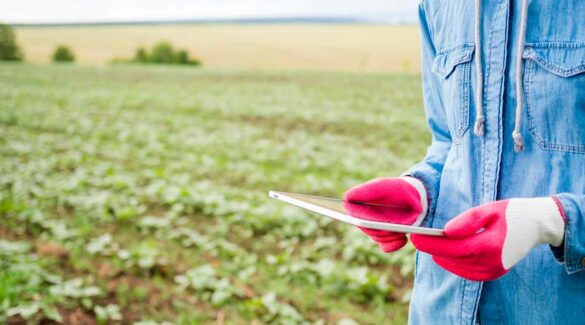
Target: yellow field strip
column 369, row 48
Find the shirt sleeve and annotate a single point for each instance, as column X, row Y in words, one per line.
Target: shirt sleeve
column 572, row 252
column 430, row 168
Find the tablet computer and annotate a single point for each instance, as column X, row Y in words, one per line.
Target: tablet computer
column 358, row 214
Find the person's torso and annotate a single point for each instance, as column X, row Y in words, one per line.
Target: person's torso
column 481, row 169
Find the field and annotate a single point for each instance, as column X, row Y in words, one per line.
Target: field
column 308, row 47
column 133, row 194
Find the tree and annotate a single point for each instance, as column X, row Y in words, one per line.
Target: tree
column 63, row 54
column 162, row 53
column 9, row 50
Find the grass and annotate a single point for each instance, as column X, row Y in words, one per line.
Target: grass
column 309, row 47
column 132, row 194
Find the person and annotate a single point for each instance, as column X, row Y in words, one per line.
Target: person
column 504, row 95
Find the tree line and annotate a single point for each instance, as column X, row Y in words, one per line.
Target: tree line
column 161, row 53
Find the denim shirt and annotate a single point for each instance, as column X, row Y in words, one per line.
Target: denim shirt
column 462, row 170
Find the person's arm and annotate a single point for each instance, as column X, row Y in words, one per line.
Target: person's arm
column 485, row 242
column 572, row 251
column 418, row 189
column 429, row 170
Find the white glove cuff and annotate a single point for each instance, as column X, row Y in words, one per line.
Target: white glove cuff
column 531, row 222
column 424, row 201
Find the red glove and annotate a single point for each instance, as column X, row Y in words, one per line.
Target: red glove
column 483, row 243
column 406, row 194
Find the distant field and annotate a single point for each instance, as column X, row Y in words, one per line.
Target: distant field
column 308, row 47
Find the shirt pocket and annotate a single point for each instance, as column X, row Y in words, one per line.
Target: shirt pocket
column 554, row 87
column 453, row 67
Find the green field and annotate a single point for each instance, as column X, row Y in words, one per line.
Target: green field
column 349, row 47
column 138, row 194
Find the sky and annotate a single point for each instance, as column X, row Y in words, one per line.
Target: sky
column 61, row 11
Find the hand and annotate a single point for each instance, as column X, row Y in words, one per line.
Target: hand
column 483, row 243
column 407, row 194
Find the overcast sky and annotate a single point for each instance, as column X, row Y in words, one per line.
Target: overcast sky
column 35, row 11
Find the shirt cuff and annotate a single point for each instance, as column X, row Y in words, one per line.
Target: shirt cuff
column 572, row 251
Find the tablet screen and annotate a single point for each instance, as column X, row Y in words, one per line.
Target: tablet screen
column 362, row 214
column 361, row 210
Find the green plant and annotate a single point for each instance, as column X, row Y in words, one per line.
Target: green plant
column 29, row 291
column 63, row 54
column 269, row 310
column 107, row 313
column 208, row 285
column 164, row 53
column 9, row 49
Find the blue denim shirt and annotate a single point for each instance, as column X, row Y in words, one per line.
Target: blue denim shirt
column 462, row 170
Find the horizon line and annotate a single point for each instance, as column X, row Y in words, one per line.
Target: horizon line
column 237, row 20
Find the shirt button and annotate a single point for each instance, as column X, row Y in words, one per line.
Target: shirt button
column 583, row 262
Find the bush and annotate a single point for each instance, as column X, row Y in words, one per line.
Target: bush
column 164, row 53
column 63, row 54
column 182, row 57
column 141, row 55
column 9, row 50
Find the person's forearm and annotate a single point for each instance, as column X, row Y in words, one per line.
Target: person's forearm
column 429, row 170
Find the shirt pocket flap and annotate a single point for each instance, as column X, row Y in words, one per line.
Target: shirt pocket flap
column 562, row 59
column 446, row 61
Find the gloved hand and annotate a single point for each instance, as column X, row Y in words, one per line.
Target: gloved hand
column 407, row 194
column 484, row 242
